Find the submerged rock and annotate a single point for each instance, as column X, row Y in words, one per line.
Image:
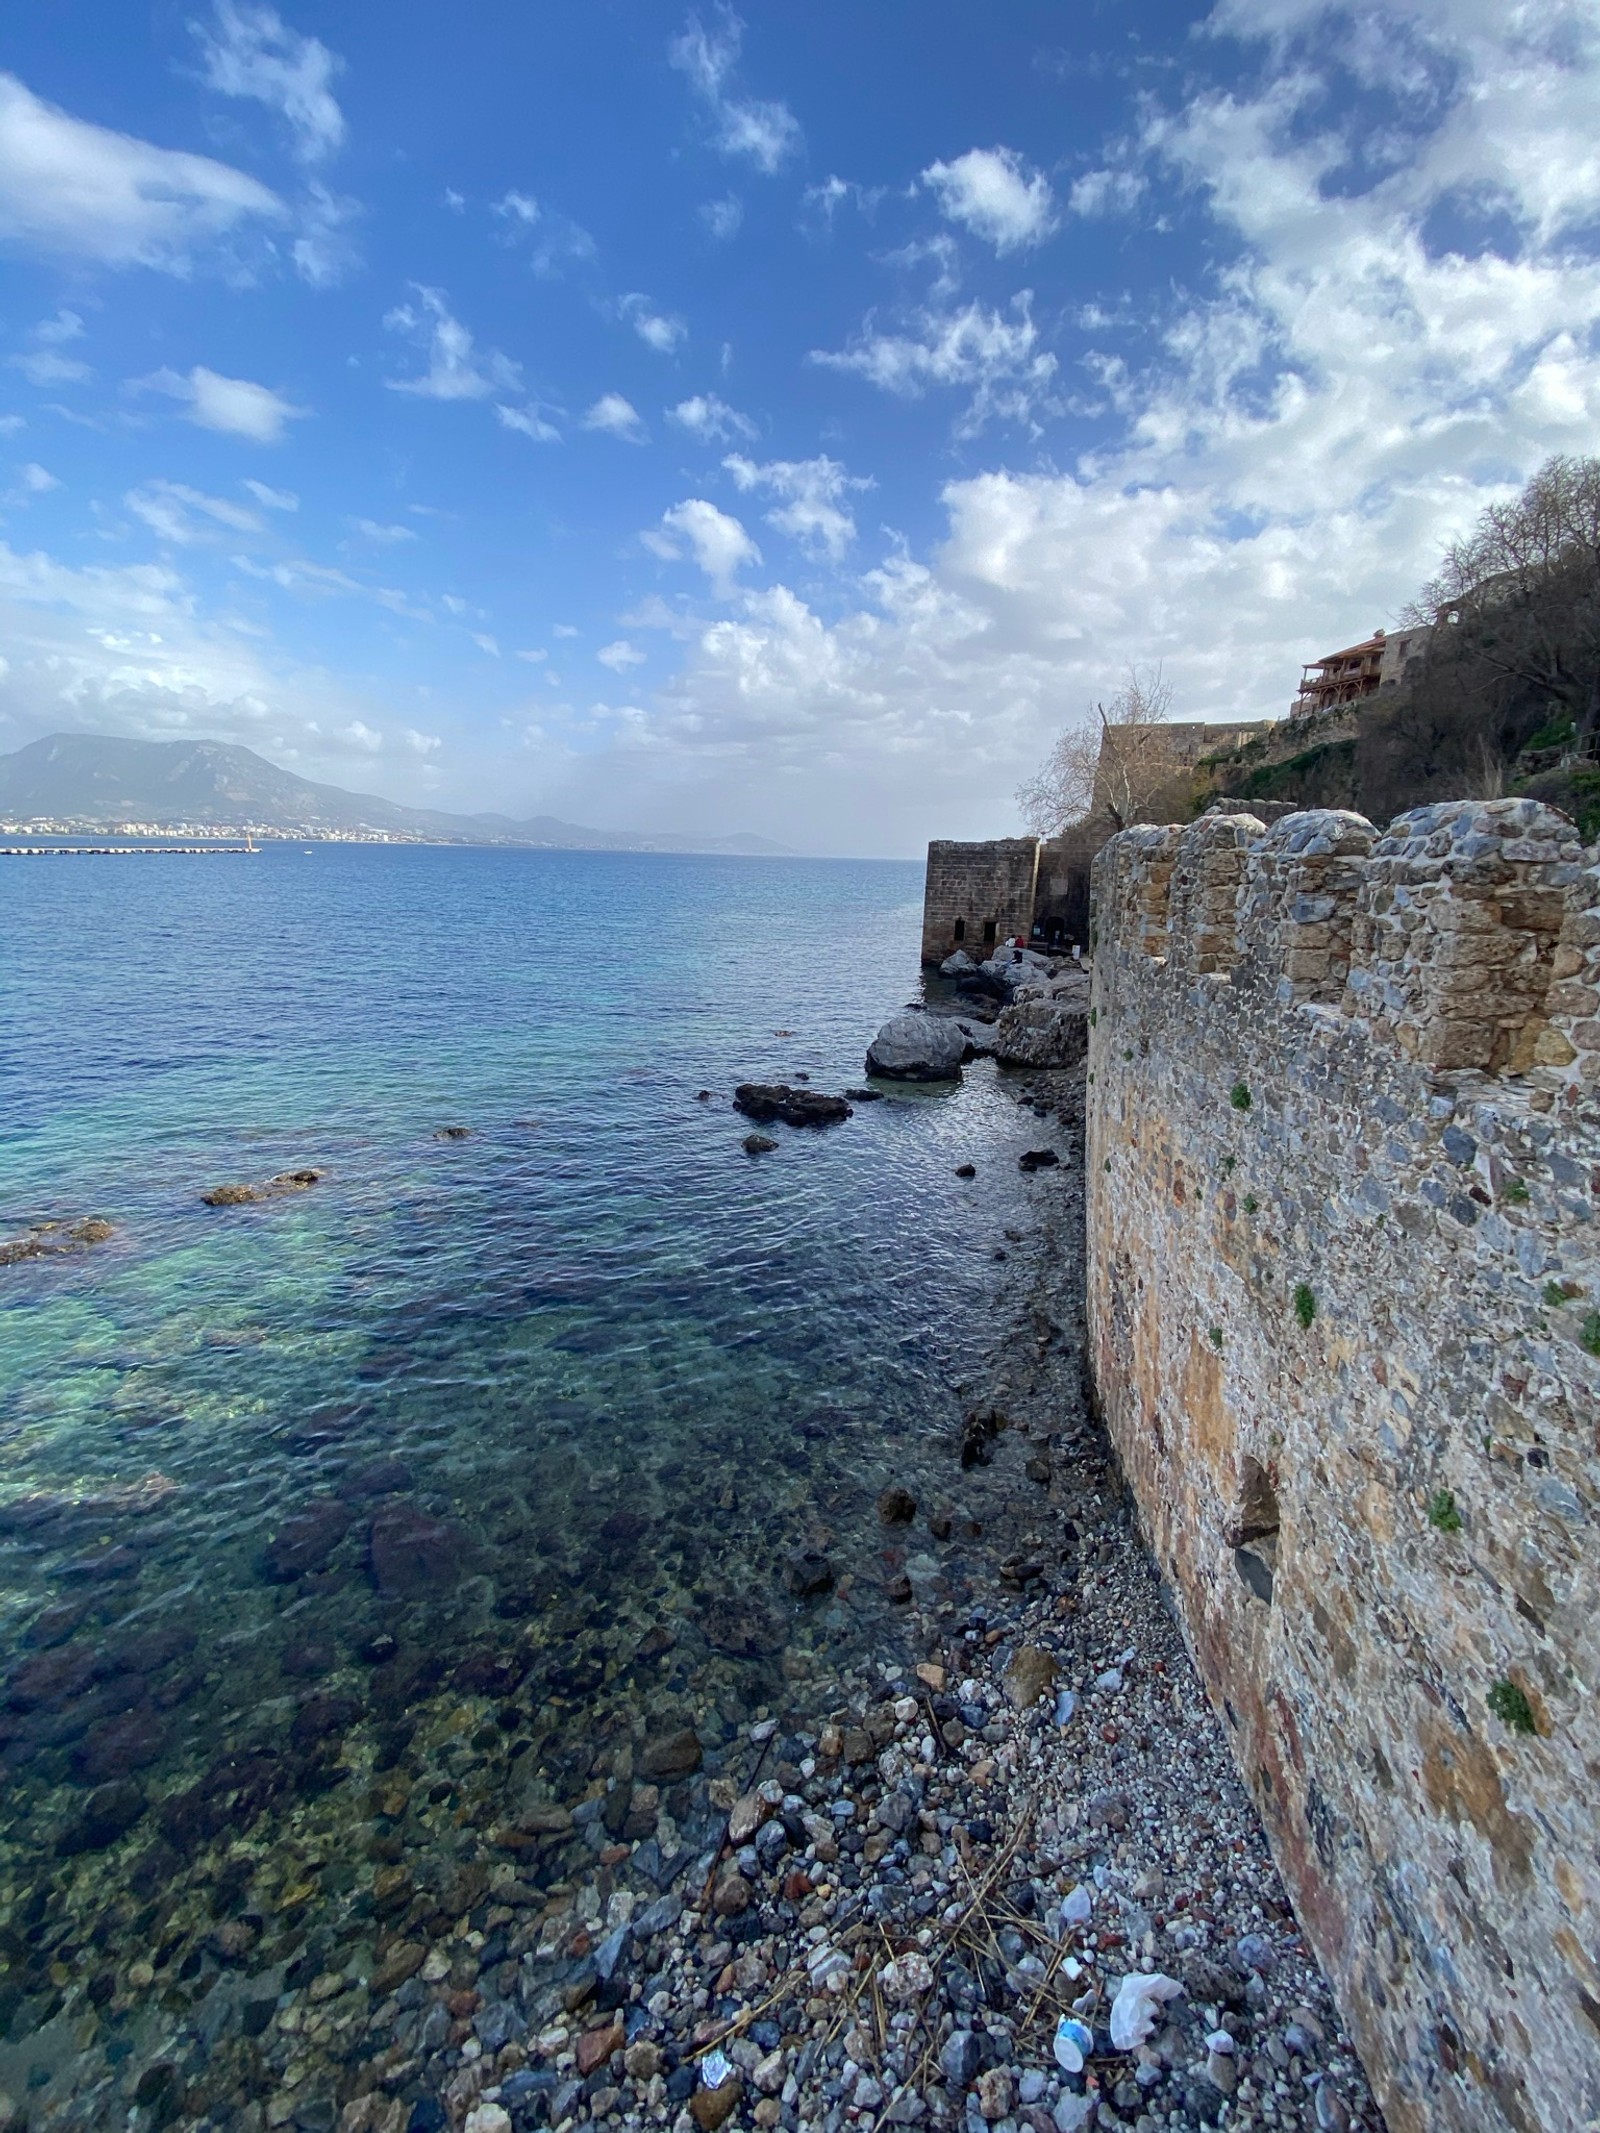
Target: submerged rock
column 758, row 1144
column 807, row 1573
column 273, row 1188
column 767, row 1101
column 50, row 1240
column 109, row 1813
column 411, row 1553
column 672, row 1755
column 918, row 1047
column 306, row 1540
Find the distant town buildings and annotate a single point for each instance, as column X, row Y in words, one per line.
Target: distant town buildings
column 1359, row 670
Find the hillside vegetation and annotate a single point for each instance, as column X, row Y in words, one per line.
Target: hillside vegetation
column 1504, row 699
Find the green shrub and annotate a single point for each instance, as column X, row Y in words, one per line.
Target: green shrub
column 1251, row 1203
column 1305, row 1303
column 1555, row 1295
column 1215, row 1336
column 1515, row 1194
column 1239, row 1096
column 1555, row 735
column 1442, row 1513
column 1589, row 1332
column 1511, row 1707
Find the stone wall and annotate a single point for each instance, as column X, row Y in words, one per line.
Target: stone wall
column 977, row 894
column 1344, row 1163
column 1061, row 897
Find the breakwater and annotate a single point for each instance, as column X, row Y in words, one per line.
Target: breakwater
column 121, row 851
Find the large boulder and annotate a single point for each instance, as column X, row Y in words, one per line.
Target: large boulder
column 959, row 965
column 1040, row 1033
column 918, row 1047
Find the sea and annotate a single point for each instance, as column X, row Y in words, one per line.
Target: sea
column 545, row 1419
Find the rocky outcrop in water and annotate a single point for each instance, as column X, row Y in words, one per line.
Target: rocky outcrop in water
column 775, row 1102
column 915, row 1046
column 54, row 1240
column 286, row 1181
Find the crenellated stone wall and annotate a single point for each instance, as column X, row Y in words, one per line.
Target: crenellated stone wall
column 1344, row 1165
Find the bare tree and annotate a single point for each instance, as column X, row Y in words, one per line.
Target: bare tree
column 1116, row 764
column 1520, row 594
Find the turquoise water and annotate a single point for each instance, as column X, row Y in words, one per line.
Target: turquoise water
column 538, row 1411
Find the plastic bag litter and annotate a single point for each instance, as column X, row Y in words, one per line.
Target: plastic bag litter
column 1133, row 2011
column 1074, row 2043
column 715, row 2068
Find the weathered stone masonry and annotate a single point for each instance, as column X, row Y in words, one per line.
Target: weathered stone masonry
column 976, row 895
column 1344, row 1159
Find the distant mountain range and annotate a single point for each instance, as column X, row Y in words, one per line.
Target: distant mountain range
column 95, row 778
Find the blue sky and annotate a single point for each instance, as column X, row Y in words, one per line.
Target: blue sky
column 781, row 421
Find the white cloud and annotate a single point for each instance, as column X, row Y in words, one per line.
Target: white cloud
column 170, row 509
column 820, row 203
column 764, row 133
column 723, row 217
column 453, row 200
column 486, row 644
column 560, row 240
column 710, row 420
column 32, row 480
column 272, row 499
column 1280, row 457
column 48, row 366
column 528, row 422
column 518, row 207
column 992, row 192
column 43, row 363
column 234, row 406
column 565, row 629
column 456, row 371
column 323, row 252
column 125, row 651
column 362, row 736
column 420, row 743
column 813, row 511
column 382, row 536
column 664, row 335
column 712, row 539
column 620, row 656
column 250, row 52
column 997, row 356
column 1106, row 192
column 615, row 417
column 534, row 658
column 319, row 581
column 78, row 191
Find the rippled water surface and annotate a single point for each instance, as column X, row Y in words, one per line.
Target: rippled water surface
column 537, row 1411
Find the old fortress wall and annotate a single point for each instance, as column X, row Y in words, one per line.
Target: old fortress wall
column 1344, row 1183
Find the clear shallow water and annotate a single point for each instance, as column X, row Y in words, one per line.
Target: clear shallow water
column 536, row 1414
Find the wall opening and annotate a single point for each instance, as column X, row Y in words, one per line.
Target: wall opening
column 1253, row 1530
column 960, row 931
column 989, row 926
